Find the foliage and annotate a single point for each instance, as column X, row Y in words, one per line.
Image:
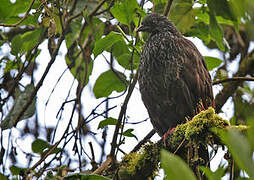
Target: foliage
column 103, row 32
column 175, row 167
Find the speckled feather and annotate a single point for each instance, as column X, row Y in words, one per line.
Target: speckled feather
column 173, row 77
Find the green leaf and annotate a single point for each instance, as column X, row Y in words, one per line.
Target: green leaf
column 212, row 62
column 124, row 56
column 16, row 45
column 174, row 167
column 106, row 122
column 129, row 133
column 125, row 11
column 222, row 20
column 39, row 145
column 108, row 82
column 31, row 20
column 106, row 43
column 216, row 32
column 20, row 100
column 10, row 65
column 15, row 170
column 30, row 39
column 222, row 8
column 182, row 15
column 25, row 42
column 250, row 131
column 200, row 30
column 239, row 7
column 201, row 14
column 96, row 26
column 240, row 148
column 81, row 176
column 5, row 4
column 8, row 9
column 218, row 174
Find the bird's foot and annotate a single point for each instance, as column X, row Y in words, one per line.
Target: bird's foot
column 170, row 131
column 200, row 108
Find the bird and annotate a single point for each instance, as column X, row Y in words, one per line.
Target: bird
column 173, row 78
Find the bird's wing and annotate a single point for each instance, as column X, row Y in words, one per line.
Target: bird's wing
column 189, row 81
column 196, row 75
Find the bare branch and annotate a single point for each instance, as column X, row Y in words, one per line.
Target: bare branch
column 233, row 79
column 246, row 67
column 143, row 141
column 121, row 114
column 167, row 7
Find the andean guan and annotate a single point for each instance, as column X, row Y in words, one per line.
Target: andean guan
column 173, row 77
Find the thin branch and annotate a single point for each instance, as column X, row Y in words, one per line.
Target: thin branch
column 41, row 80
column 233, row 79
column 121, row 114
column 138, row 122
column 246, row 67
column 44, row 156
column 125, row 37
column 143, row 141
column 167, row 7
column 107, row 9
column 22, row 19
column 96, row 8
column 180, row 145
column 29, row 56
column 73, row 7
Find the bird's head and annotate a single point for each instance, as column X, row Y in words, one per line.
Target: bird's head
column 154, row 23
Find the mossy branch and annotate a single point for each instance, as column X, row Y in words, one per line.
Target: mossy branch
column 186, row 138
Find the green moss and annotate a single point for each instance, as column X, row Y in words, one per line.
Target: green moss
column 198, row 128
column 140, row 165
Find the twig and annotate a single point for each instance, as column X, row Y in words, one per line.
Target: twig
column 138, row 122
column 45, row 156
column 246, row 67
column 104, row 165
column 39, row 84
column 121, row 114
column 180, row 145
column 92, row 151
column 231, row 169
column 96, row 8
column 124, row 107
column 41, row 80
column 107, row 9
column 167, row 7
column 143, row 141
column 233, row 79
column 125, row 37
column 22, row 19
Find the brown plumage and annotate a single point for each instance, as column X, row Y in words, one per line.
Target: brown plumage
column 173, row 78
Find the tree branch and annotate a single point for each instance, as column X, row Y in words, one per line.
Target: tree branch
column 121, row 114
column 167, row 7
column 233, row 79
column 143, row 141
column 246, row 67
